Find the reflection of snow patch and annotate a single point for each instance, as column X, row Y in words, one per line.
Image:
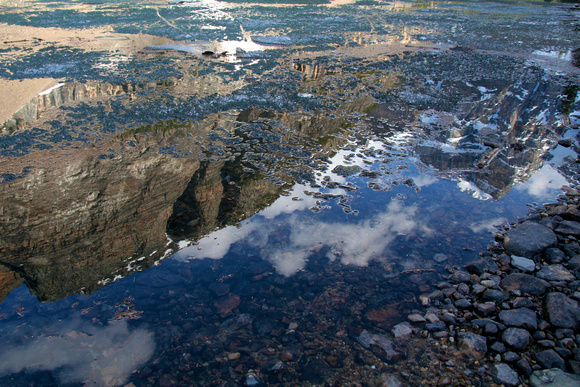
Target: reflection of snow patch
column 48, row 91
column 473, row 190
column 353, row 243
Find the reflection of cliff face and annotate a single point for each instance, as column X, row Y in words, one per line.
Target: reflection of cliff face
column 225, row 192
column 65, row 93
column 501, row 138
column 68, row 225
column 88, row 215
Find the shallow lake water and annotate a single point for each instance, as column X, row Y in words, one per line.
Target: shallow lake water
column 212, row 193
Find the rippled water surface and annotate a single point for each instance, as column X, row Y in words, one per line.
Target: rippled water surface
column 220, row 193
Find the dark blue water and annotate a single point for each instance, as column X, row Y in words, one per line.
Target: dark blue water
column 232, row 217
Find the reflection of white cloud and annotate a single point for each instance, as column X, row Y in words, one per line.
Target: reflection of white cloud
column 217, row 244
column 489, row 225
column 424, row 180
column 80, row 353
column 297, row 200
column 353, row 243
column 288, row 263
column 544, row 181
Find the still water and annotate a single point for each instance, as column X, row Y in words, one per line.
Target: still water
column 212, row 193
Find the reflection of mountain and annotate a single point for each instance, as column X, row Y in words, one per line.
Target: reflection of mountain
column 71, row 223
column 499, row 139
column 85, row 216
column 224, row 192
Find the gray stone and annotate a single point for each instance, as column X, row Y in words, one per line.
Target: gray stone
column 416, row 318
column 495, row 295
column 463, row 303
column 572, row 213
column 555, row 273
column 485, row 309
column 554, row 378
column 473, row 344
column 478, row 289
column 483, row 322
column 528, row 239
column 491, row 329
column 459, row 276
column 448, row 318
column 522, row 302
column 510, row 357
column 524, row 264
column 522, row 318
column 463, row 288
column 550, row 359
column 498, row 347
column 402, row 330
column 562, row 311
column 516, row 338
column 568, row 227
column 434, row 327
column 524, row 367
column 574, row 263
column 525, row 283
column 546, row 343
column 554, row 255
column 483, row 265
column 432, row 318
column 504, row 374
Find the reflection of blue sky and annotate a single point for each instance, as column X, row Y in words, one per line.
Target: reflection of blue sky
column 78, row 351
column 354, row 243
column 544, row 184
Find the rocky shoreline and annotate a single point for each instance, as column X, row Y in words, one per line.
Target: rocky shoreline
column 516, row 310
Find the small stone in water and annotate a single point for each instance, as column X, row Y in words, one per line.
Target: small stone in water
column 440, row 258
column 416, row 318
column 432, row 318
column 489, row 283
column 252, row 380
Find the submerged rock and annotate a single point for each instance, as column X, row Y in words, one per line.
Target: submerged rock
column 391, row 351
column 483, row 265
column 402, row 330
column 238, row 322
